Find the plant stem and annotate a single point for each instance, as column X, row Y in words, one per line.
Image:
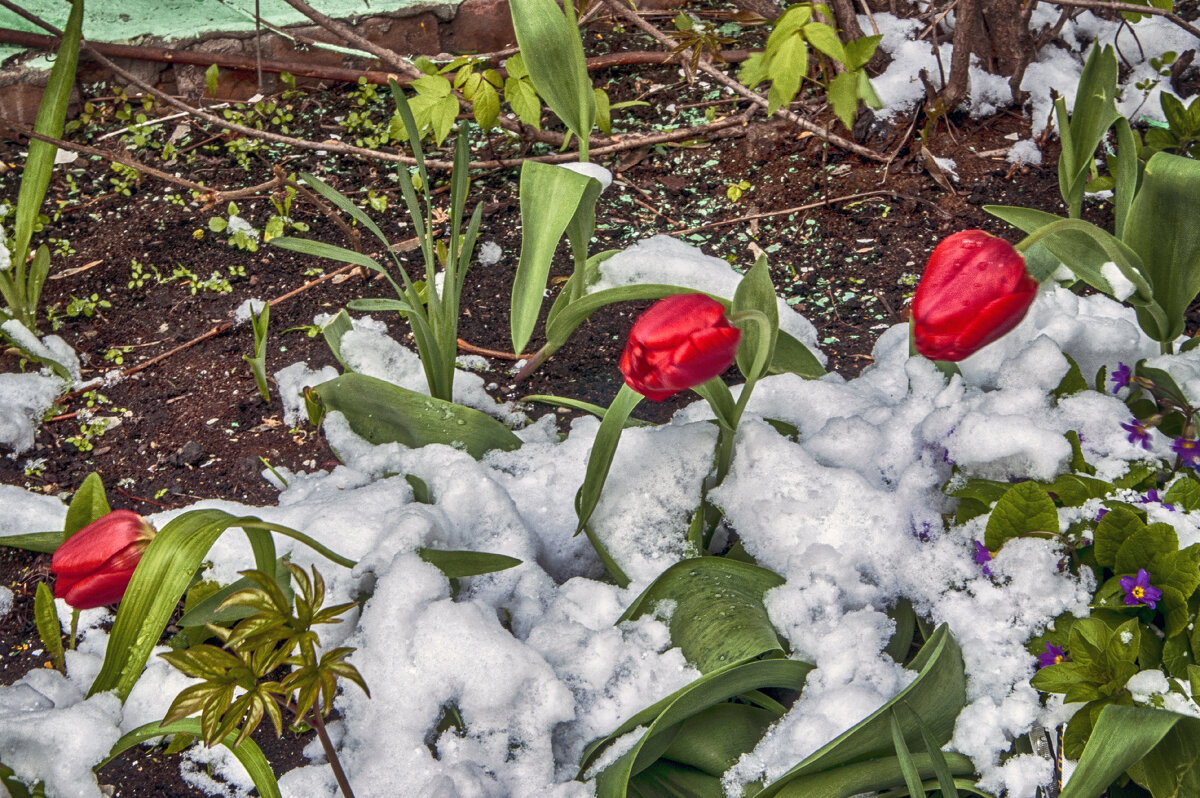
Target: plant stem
column 331, row 754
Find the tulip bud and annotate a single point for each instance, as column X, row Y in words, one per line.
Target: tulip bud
column 680, row 342
column 974, row 290
column 93, row 567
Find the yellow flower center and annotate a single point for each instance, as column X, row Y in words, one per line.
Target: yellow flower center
column 1058, row 659
column 1138, row 592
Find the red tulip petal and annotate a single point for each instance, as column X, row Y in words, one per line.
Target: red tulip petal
column 96, row 590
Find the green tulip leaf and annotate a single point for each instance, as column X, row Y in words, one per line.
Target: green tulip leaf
column 209, row 609
column 87, row 505
column 163, row 575
column 935, row 698
column 1123, row 736
column 45, row 615
column 662, row 719
column 382, row 412
column 719, row 616
column 551, row 197
column 576, row 404
column 552, row 51
column 756, row 293
column 458, row 564
column 1161, row 227
column 1094, row 113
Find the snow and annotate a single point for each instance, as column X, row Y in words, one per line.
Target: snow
column 24, row 399
column 5, row 255
column 530, row 657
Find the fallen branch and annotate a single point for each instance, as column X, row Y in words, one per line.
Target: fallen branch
column 1130, row 8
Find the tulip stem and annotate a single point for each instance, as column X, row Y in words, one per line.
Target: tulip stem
column 74, row 628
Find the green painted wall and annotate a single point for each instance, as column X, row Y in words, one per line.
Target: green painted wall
column 122, row 20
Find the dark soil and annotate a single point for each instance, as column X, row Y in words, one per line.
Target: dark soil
column 193, row 426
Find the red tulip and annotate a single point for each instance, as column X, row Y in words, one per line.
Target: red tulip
column 974, row 290
column 93, row 567
column 680, row 342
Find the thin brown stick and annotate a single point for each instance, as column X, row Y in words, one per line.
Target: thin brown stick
column 1130, row 8
column 471, row 349
column 633, row 17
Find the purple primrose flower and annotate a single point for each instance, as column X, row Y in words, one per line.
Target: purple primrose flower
column 1138, row 433
column 1052, row 656
column 1188, row 451
column 983, row 557
column 1138, row 590
column 1121, row 376
column 1152, row 497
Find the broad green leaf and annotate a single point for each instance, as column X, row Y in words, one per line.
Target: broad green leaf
column 786, row 70
column 458, row 564
column 1117, row 525
column 825, row 39
column 860, row 51
column 1127, row 172
column 935, row 697
column 485, row 105
column 1161, row 228
column 712, row 741
column 1121, row 737
column 87, row 505
column 719, row 616
column 45, row 615
column 43, row 542
column 843, row 97
column 1145, row 547
column 333, row 330
column 382, row 412
column 1072, row 382
column 661, row 718
column 879, row 773
column 908, row 768
column 248, row 752
column 756, row 293
column 523, row 99
column 552, row 51
column 550, row 198
column 1025, row 507
column 1184, row 493
column 668, row 779
column 209, row 609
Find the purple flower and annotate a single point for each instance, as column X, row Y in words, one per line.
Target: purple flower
column 1188, row 451
column 1152, row 497
column 1138, row 433
column 1053, row 656
column 1103, row 511
column 983, row 557
column 1138, row 590
column 1121, row 376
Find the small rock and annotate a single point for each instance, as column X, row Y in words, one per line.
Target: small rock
column 191, row 453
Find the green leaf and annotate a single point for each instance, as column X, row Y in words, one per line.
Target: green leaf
column 719, row 616
column 45, row 615
column 209, row 610
column 550, row 196
column 43, row 542
column 1072, row 382
column 211, row 77
column 248, row 752
column 825, row 39
column 1145, row 547
column 523, row 99
column 860, row 51
column 935, row 697
column 843, row 97
column 1024, row 508
column 603, row 449
column 458, row 564
column 17, row 788
column 1094, row 113
column 161, row 578
column 1117, row 526
column 575, row 404
column 1127, row 173
column 662, row 718
column 39, row 163
column 1122, row 736
column 1161, row 228
column 87, row 505
column 711, row 741
column 553, row 55
column 382, row 412
column 786, row 69
column 755, row 292
column 485, row 105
